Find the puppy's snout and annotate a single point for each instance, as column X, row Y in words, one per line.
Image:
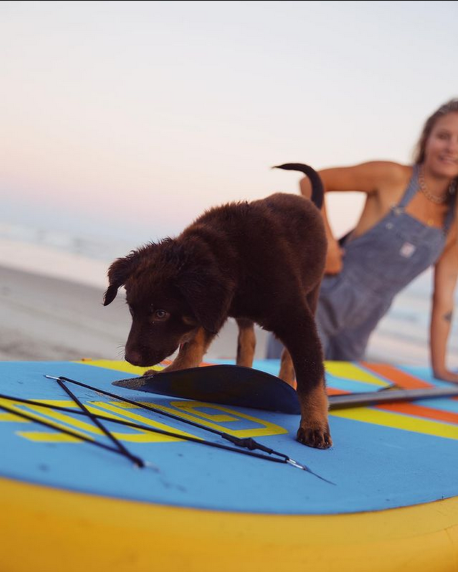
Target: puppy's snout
column 133, row 357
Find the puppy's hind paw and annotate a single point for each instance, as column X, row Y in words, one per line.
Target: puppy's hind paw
column 316, row 438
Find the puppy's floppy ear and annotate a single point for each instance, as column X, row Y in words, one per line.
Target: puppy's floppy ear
column 209, row 295
column 118, row 273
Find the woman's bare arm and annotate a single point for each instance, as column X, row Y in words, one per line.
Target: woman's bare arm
column 445, row 280
column 370, row 178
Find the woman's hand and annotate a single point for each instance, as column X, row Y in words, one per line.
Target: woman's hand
column 334, row 258
column 446, row 375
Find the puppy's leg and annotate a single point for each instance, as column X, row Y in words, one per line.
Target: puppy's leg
column 312, row 298
column 287, row 372
column 190, row 353
column 301, row 339
column 246, row 342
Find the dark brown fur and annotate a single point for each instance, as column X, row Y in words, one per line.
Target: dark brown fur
column 257, row 262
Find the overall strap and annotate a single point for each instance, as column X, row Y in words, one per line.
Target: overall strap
column 412, row 187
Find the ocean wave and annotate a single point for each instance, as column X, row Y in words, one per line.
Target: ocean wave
column 98, row 248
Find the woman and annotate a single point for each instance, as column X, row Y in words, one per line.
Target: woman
column 408, row 223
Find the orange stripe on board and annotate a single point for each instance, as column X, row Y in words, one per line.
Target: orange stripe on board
column 334, row 391
column 421, row 411
column 400, row 378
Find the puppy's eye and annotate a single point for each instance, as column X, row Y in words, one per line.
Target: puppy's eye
column 161, row 315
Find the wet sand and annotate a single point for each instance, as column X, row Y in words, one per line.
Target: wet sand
column 48, row 318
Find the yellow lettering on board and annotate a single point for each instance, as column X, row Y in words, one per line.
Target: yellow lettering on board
column 47, row 437
column 213, row 416
column 42, row 414
column 190, row 410
column 137, row 435
column 12, row 417
column 61, row 420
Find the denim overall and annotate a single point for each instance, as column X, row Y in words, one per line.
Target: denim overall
column 377, row 266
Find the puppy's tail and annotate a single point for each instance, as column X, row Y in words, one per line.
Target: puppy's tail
column 317, row 185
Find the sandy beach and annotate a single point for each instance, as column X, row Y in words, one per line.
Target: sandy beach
column 51, row 309
column 50, row 318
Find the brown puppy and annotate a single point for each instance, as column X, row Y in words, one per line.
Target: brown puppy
column 257, row 262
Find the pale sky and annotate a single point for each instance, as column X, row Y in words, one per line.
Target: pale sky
column 132, row 118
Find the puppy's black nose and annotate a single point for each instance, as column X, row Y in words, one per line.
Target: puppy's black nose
column 133, row 357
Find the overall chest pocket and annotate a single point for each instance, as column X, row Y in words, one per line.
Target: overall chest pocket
column 413, row 249
column 396, row 249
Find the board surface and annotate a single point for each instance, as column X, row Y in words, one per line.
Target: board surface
column 390, row 459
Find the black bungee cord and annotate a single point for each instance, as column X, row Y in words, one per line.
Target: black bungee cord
column 247, row 443
column 54, row 426
column 197, row 440
column 136, row 460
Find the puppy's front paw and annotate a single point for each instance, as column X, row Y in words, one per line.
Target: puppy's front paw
column 151, row 372
column 319, row 438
